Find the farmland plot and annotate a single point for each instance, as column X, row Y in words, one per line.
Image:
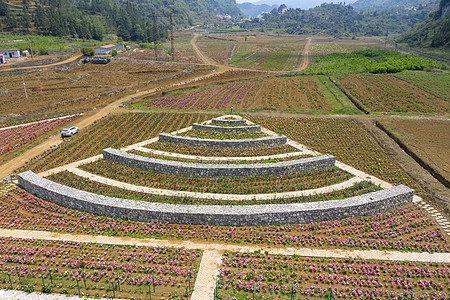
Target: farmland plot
column 303, row 93
column 385, row 93
column 96, row 270
column 343, row 139
column 267, row 52
column 281, row 276
column 80, row 88
column 428, row 139
column 218, row 50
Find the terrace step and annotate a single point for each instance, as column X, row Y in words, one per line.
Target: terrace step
column 253, row 128
column 216, row 143
column 218, row 170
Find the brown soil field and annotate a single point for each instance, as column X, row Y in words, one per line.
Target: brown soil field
column 432, row 136
column 272, row 93
column 85, row 87
column 386, row 93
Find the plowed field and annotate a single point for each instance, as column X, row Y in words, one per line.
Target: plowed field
column 385, row 93
column 430, row 136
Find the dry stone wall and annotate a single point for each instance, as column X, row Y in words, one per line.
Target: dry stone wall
column 270, row 214
column 214, row 143
column 229, row 122
column 217, row 170
column 255, row 128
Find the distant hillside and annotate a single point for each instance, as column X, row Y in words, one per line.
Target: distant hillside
column 129, row 19
column 252, row 10
column 341, row 20
column 434, row 31
column 368, row 4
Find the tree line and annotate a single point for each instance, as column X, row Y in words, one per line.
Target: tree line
column 85, row 19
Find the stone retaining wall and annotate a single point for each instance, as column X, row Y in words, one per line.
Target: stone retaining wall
column 269, row 214
column 214, row 143
column 217, row 170
column 255, row 128
column 229, row 122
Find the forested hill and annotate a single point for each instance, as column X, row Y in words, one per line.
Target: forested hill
column 131, row 20
column 368, row 4
column 434, row 31
column 341, row 20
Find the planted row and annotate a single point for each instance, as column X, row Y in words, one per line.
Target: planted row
column 204, row 151
column 242, row 185
column 205, row 134
column 403, row 229
column 96, row 269
column 281, row 276
column 270, row 160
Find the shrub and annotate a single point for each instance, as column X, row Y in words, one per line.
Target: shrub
column 87, row 51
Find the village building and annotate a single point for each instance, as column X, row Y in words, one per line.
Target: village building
column 2, row 59
column 106, row 49
column 10, row 53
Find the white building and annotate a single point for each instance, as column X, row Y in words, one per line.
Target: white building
column 10, row 53
column 2, row 59
column 106, row 49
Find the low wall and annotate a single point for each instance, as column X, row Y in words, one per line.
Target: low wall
column 269, row 214
column 213, row 143
column 217, row 170
column 255, row 128
column 229, row 122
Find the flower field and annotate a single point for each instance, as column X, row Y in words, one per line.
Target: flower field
column 203, row 151
column 238, row 185
column 343, row 139
column 81, row 183
column 304, row 93
column 404, row 229
column 114, row 131
column 11, row 139
column 280, row 276
column 96, row 270
column 386, row 93
column 205, row 134
column 272, row 160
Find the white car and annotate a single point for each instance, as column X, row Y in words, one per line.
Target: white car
column 69, row 131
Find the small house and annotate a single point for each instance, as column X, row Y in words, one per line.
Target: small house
column 10, row 53
column 106, row 49
column 2, row 59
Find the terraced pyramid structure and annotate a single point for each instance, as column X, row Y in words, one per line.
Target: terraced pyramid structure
column 226, row 171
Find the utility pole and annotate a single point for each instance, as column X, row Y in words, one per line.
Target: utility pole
column 154, row 33
column 172, row 51
column 31, row 50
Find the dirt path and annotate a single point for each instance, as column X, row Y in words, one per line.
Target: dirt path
column 205, row 59
column 222, row 247
column 69, row 60
column 303, row 59
column 90, row 118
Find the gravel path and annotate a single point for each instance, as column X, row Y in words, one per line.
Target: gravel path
column 19, row 295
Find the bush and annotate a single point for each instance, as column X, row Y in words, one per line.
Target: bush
column 114, row 52
column 43, row 52
column 87, row 51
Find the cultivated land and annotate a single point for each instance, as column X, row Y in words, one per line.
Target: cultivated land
column 396, row 253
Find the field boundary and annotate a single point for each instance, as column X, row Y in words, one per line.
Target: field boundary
column 355, row 101
column 414, row 156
